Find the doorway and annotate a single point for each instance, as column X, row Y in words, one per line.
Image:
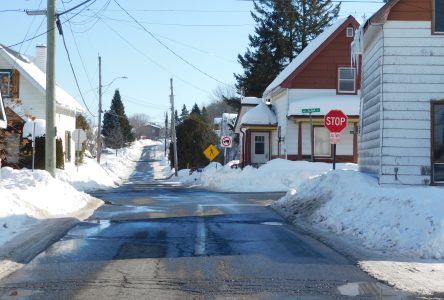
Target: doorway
column 438, row 142
column 260, row 147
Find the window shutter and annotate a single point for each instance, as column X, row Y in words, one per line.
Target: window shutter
column 15, row 86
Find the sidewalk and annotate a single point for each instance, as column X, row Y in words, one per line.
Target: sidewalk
column 29, row 243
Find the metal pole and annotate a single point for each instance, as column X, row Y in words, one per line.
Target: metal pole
column 50, row 145
column 334, row 156
column 312, row 138
column 173, row 129
column 99, row 126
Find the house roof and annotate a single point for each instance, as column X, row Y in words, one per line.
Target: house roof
column 381, row 15
column 260, row 115
column 309, row 53
column 38, row 78
column 349, row 104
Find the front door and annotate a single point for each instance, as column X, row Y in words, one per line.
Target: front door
column 438, row 143
column 259, row 147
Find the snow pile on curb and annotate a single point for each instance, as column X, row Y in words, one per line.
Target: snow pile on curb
column 26, row 197
column 112, row 171
column 397, row 220
column 275, row 176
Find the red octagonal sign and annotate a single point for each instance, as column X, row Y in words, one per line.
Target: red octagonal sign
column 335, row 121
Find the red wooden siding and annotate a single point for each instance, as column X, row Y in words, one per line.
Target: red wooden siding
column 411, row 10
column 322, row 72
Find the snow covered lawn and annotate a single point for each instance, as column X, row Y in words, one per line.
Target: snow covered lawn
column 277, row 175
column 27, row 197
column 402, row 226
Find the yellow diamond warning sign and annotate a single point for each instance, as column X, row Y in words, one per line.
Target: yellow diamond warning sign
column 211, row 152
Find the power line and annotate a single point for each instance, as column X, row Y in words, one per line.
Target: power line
column 168, row 48
column 72, row 67
column 151, row 60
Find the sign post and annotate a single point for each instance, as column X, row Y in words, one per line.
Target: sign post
column 226, row 142
column 79, row 136
column 310, row 111
column 335, row 121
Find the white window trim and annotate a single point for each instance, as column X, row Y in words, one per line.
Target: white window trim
column 339, row 80
column 350, row 32
column 315, row 129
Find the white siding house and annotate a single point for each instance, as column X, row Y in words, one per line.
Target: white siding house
column 25, row 80
column 315, row 79
column 402, row 94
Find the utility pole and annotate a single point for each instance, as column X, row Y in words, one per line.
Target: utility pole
column 50, row 145
column 166, row 131
column 99, row 125
column 173, row 128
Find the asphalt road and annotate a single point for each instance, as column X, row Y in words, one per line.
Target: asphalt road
column 155, row 240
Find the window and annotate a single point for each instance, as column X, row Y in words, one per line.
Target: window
column 6, row 83
column 259, row 144
column 350, row 31
column 67, row 145
column 438, row 142
column 346, row 80
column 322, row 145
column 438, row 16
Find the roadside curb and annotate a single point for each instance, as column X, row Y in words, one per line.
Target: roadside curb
column 28, row 244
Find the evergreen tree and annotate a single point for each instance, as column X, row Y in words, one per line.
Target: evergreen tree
column 193, row 137
column 195, row 110
column 111, row 130
column 184, row 113
column 284, row 28
column 176, row 117
column 205, row 115
column 117, row 109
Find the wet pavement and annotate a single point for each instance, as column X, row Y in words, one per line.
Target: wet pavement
column 158, row 240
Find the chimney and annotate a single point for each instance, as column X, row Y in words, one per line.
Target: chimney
column 40, row 57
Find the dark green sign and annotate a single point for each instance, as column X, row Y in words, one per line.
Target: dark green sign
column 310, row 110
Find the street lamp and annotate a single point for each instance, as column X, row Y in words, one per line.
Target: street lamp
column 99, row 134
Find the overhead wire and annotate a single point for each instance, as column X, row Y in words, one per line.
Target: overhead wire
column 150, row 59
column 73, row 71
column 168, row 48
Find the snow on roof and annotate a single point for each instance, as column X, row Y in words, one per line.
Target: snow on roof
column 260, row 115
column 304, row 55
column 217, row 120
column 37, row 76
column 349, row 104
column 251, row 101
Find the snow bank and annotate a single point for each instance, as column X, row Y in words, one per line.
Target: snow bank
column 26, row 197
column 407, row 221
column 275, row 176
column 112, row 171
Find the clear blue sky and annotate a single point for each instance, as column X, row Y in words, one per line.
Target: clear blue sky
column 206, row 33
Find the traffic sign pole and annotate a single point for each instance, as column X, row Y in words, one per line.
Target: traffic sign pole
column 312, row 137
column 334, row 156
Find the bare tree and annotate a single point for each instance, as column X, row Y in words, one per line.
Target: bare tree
column 139, row 120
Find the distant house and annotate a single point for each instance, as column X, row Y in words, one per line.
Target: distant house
column 244, row 131
column 402, row 128
column 150, row 131
column 319, row 77
column 25, row 79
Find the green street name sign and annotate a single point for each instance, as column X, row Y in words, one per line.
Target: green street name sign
column 310, row 110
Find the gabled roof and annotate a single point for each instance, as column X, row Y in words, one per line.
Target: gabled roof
column 381, row 15
column 310, row 52
column 38, row 78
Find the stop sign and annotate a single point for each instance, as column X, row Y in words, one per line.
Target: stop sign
column 335, row 120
